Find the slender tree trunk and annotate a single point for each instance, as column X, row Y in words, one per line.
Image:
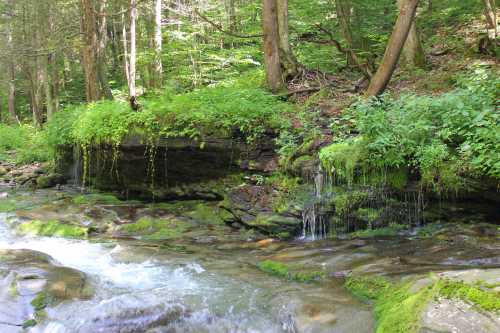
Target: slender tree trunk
column 271, row 45
column 288, row 60
column 158, row 67
column 102, row 35
column 343, row 9
column 394, row 47
column 491, row 15
column 413, row 52
column 47, row 85
column 12, row 93
column 89, row 51
column 125, row 51
column 133, row 50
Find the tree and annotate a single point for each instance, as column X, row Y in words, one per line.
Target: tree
column 491, row 15
column 89, row 51
column 413, row 52
column 393, row 50
column 274, row 72
column 158, row 44
column 133, row 53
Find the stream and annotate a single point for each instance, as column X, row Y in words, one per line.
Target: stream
column 216, row 286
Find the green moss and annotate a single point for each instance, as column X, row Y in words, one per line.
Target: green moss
column 43, row 182
column 7, row 205
column 368, row 214
column 286, row 271
column 369, row 288
column 41, row 301
column 156, row 229
column 396, row 309
column 53, row 229
column 342, row 159
column 477, row 294
column 95, row 198
column 391, row 230
column 29, row 323
column 347, row 201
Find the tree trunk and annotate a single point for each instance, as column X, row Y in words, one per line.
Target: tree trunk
column 413, row 52
column 89, row 51
column 394, row 47
column 491, row 15
column 125, row 50
column 288, row 61
column 343, row 9
column 132, row 63
column 271, row 45
column 12, row 93
column 102, row 35
column 158, row 67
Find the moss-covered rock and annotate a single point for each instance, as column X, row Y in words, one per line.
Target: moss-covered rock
column 49, row 180
column 402, row 307
column 155, row 229
column 53, row 228
column 290, row 272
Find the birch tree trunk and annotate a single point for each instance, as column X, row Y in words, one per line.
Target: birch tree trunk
column 158, row 67
column 395, row 45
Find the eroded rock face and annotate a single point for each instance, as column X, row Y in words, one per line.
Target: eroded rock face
column 178, row 168
column 30, row 281
column 251, row 206
column 456, row 316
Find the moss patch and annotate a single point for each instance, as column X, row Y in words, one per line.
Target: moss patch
column 287, row 271
column 476, row 294
column 53, row 229
column 156, row 229
column 391, row 230
column 399, row 310
column 7, row 205
column 96, row 198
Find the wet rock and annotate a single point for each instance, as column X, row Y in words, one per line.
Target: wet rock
column 455, row 316
column 251, row 206
column 49, row 180
column 29, row 282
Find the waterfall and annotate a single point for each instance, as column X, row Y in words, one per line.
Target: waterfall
column 382, row 207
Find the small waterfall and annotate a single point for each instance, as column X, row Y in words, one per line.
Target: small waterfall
column 314, row 223
column 381, row 206
column 77, row 167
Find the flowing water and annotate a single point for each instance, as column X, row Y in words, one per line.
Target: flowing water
column 138, row 287
column 194, row 286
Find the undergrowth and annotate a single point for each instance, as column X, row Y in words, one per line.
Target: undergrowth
column 444, row 139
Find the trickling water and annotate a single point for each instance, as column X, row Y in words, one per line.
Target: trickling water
column 316, row 214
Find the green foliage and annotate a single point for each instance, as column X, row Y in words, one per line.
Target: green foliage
column 218, row 110
column 445, row 138
column 285, row 271
column 27, row 144
column 53, row 229
column 476, row 294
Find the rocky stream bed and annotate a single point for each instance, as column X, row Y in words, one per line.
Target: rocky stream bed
column 73, row 262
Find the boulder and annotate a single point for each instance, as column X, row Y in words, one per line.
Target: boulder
column 31, row 281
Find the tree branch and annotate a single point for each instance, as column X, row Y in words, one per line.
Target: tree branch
column 221, row 29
